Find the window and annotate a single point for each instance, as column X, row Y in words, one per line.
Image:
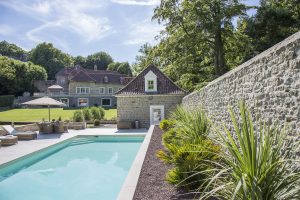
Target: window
column 83, row 102
column 150, row 84
column 82, row 90
column 110, row 90
column 105, row 79
column 65, row 101
column 106, row 102
column 102, row 90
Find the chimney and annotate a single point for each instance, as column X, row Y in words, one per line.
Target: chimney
column 95, row 67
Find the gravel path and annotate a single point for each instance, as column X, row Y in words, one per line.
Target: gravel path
column 152, row 184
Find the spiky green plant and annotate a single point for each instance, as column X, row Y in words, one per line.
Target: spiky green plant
column 192, row 124
column 259, row 163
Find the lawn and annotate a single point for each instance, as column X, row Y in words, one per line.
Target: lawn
column 36, row 115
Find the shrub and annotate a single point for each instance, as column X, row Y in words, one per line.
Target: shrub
column 96, row 122
column 259, row 163
column 87, row 114
column 95, row 113
column 190, row 160
column 192, row 124
column 166, row 124
column 59, row 119
column 102, row 112
column 6, row 100
column 78, row 116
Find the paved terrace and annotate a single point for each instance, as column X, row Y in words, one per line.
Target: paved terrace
column 23, row 148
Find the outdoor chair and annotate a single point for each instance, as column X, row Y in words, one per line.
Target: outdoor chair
column 22, row 135
column 7, row 140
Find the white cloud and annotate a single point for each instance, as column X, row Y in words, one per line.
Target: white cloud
column 143, row 32
column 6, row 30
column 66, row 15
column 137, row 2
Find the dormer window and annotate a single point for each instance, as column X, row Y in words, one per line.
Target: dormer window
column 150, row 85
column 105, row 79
column 150, row 82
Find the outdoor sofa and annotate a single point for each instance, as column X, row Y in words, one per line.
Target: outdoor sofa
column 26, row 135
column 7, row 140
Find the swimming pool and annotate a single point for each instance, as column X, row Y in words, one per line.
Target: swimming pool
column 81, row 168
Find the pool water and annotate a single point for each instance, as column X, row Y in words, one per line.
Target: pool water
column 93, row 168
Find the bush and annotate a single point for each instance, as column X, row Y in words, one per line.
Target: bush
column 255, row 167
column 78, row 116
column 6, row 100
column 166, row 124
column 95, row 113
column 59, row 119
column 96, row 122
column 102, row 112
column 87, row 114
column 190, row 160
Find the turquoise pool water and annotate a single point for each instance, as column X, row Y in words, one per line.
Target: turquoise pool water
column 82, row 168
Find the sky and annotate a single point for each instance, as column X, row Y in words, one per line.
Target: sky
column 82, row 27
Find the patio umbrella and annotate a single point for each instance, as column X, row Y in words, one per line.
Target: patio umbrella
column 44, row 101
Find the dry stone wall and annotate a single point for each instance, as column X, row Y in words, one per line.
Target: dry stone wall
column 269, row 83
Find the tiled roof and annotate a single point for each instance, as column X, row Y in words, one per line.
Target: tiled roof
column 164, row 84
column 80, row 74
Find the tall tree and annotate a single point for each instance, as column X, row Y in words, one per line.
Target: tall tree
column 13, row 51
column 274, row 21
column 101, row 59
column 203, row 21
column 121, row 67
column 17, row 77
column 51, row 58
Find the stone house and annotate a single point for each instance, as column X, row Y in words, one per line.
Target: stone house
column 148, row 98
column 78, row 87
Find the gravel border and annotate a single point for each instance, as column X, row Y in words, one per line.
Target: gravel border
column 151, row 184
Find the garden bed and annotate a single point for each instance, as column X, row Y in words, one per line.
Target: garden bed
column 151, row 183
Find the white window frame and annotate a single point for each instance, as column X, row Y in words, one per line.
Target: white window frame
column 103, row 90
column 161, row 107
column 150, row 76
column 86, row 101
column 110, row 101
column 87, row 90
column 112, row 90
column 67, row 101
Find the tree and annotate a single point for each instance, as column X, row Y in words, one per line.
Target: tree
column 13, row 51
column 51, row 58
column 101, row 59
column 122, row 68
column 17, row 77
column 273, row 22
column 79, row 60
column 202, row 21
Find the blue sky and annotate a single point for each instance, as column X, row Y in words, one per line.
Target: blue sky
column 82, row 27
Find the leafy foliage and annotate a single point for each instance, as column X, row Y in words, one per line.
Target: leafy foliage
column 258, row 163
column 17, row 77
column 13, row 51
column 86, row 113
column 122, row 68
column 101, row 59
column 188, row 149
column 78, row 116
column 51, row 58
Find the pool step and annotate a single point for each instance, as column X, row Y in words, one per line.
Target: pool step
column 79, row 141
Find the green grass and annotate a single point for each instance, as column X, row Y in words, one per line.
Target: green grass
column 36, row 115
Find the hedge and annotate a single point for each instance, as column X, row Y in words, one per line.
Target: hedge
column 6, row 100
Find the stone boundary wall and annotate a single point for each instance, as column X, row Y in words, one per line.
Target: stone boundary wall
column 269, row 83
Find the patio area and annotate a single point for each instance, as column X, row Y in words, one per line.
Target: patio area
column 23, row 148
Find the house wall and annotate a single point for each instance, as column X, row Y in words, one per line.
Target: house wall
column 269, row 83
column 132, row 108
column 94, row 87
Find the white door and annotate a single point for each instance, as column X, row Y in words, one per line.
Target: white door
column 157, row 114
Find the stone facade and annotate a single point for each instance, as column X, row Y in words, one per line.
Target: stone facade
column 269, row 83
column 138, row 107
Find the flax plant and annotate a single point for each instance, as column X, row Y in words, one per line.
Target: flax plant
column 258, row 164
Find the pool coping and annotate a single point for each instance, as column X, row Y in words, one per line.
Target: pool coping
column 128, row 189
